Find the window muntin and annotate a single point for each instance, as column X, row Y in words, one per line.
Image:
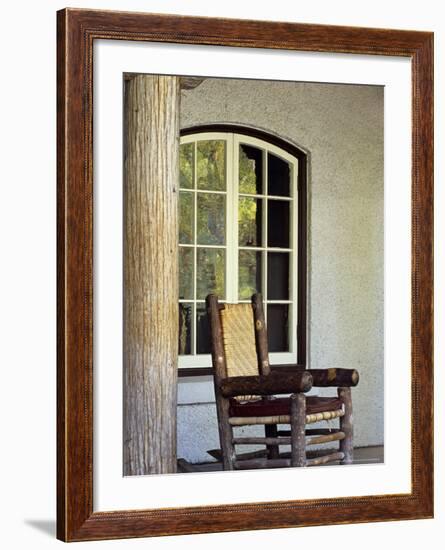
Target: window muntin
column 237, row 236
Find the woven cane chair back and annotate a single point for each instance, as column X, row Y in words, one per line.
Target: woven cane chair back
column 237, row 323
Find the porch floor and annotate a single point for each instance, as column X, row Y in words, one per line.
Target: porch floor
column 362, row 455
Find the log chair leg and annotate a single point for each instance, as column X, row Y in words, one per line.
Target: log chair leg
column 346, row 426
column 273, row 451
column 298, row 428
column 226, row 435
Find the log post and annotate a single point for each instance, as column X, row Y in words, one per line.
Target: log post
column 346, row 426
column 220, row 368
column 273, row 449
column 150, row 273
column 298, row 423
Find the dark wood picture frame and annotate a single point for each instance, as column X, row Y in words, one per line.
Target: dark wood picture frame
column 77, row 30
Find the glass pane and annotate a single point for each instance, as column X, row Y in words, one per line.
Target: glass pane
column 211, row 165
column 250, row 221
column 210, row 272
column 278, row 327
column 278, row 276
column 278, row 176
column 185, row 273
column 185, row 329
column 250, row 170
column 203, row 330
column 278, row 224
column 211, row 218
column 186, row 154
column 185, row 217
column 249, row 269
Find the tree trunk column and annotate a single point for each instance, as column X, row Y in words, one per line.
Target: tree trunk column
column 151, row 274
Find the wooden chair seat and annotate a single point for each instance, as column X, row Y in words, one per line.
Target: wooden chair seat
column 280, row 406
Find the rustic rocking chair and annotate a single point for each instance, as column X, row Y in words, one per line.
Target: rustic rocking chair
column 245, row 388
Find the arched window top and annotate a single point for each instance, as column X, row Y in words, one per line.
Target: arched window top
column 248, row 131
column 238, row 234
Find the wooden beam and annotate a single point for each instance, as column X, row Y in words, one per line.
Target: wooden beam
column 255, row 463
column 185, row 82
column 262, row 347
column 150, row 273
column 320, row 439
column 185, row 467
column 311, row 431
column 220, row 371
column 217, row 453
column 261, row 440
column 346, row 426
column 270, row 384
column 334, row 377
column 271, row 431
column 298, row 421
column 325, row 459
column 190, row 82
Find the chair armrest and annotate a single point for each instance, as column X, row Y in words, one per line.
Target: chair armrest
column 334, row 377
column 270, row 384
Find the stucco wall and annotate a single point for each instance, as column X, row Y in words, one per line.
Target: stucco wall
column 341, row 128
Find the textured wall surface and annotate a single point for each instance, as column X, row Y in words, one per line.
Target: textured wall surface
column 341, row 128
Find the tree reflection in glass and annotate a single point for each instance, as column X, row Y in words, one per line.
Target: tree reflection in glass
column 185, row 329
column 211, row 273
column 211, row 165
column 185, row 217
column 185, row 273
column 249, row 221
column 250, row 170
column 186, row 165
column 211, row 218
column 249, row 268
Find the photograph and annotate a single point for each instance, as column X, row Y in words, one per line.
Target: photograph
column 254, row 335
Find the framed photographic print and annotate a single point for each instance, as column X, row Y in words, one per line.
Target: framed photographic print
column 244, row 275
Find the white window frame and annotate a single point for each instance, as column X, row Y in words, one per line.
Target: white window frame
column 233, row 141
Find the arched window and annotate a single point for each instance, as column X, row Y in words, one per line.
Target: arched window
column 240, row 232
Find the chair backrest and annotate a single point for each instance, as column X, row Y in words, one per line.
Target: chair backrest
column 239, row 338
